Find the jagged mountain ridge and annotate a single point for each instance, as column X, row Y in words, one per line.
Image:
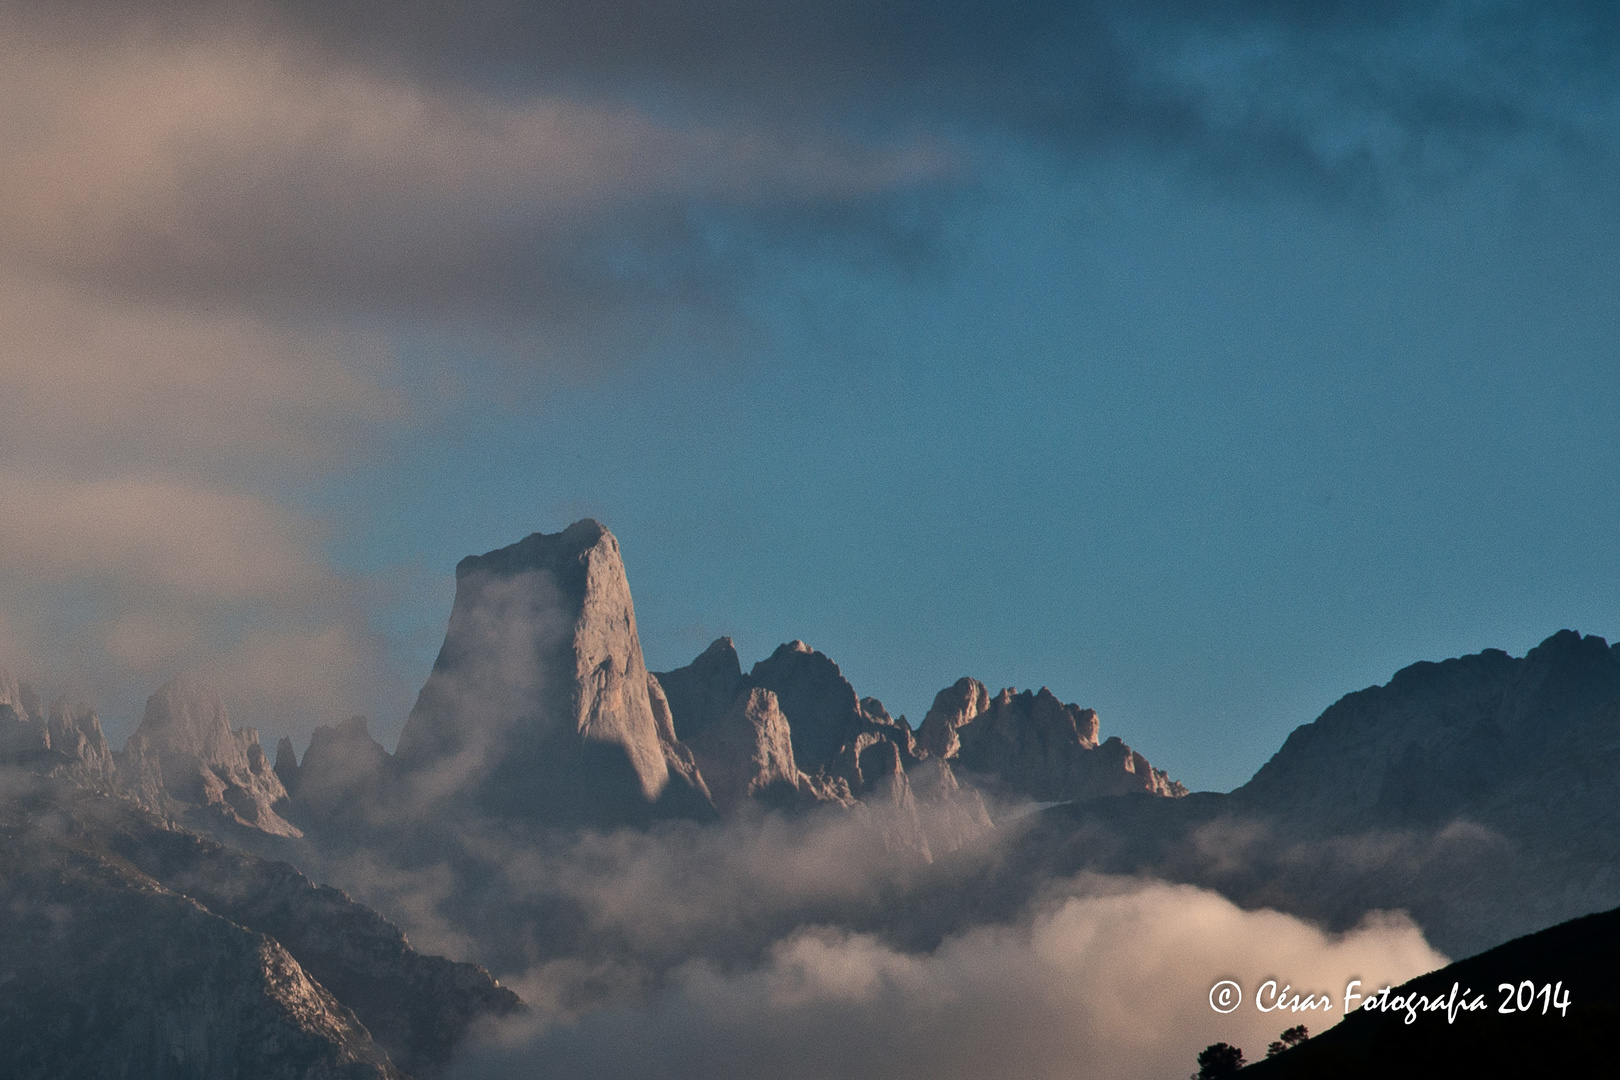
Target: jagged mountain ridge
column 1480, row 794
column 540, row 707
column 185, row 756
column 1513, row 749
column 136, row 948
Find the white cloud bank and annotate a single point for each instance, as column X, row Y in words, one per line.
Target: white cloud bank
column 1109, row 979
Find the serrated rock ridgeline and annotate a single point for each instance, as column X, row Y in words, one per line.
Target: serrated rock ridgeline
column 65, row 740
column 1018, row 746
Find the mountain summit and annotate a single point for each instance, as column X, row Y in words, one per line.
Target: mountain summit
column 539, row 705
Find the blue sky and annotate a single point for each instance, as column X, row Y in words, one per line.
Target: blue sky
column 1201, row 367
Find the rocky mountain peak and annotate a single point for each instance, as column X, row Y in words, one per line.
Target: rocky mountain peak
column 1031, row 744
column 344, row 770
column 703, row 690
column 1441, row 737
column 539, row 703
column 188, row 717
column 820, row 704
column 953, row 706
column 20, row 696
column 185, row 755
column 747, row 751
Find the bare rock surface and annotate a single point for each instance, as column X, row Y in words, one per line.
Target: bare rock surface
column 77, row 740
column 403, row 1007
column 821, row 706
column 344, row 772
column 953, row 707
column 23, row 733
column 701, row 692
column 538, row 706
column 1018, row 746
column 185, row 757
column 1033, row 745
column 747, row 751
column 417, row 1007
column 65, row 740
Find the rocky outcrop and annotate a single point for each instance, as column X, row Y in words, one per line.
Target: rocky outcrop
column 66, row 740
column 538, row 706
column 185, row 758
column 78, row 744
column 417, row 1007
column 685, row 778
column 821, row 706
column 344, row 772
column 1032, row 745
column 347, row 975
column 1021, row 746
column 953, row 707
column 701, row 692
column 796, row 709
column 22, row 698
column 748, row 751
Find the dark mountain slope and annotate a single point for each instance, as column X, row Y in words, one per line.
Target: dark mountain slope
column 1578, row 958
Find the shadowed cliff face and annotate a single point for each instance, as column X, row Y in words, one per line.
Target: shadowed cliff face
column 538, row 705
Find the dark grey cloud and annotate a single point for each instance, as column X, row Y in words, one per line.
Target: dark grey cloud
column 1267, row 78
column 531, row 162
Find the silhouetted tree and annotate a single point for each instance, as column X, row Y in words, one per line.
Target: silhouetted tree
column 1290, row 1039
column 1218, row 1060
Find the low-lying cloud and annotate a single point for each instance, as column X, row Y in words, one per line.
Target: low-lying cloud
column 1106, row 978
column 804, row 946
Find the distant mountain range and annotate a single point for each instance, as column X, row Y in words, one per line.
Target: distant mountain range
column 1480, row 794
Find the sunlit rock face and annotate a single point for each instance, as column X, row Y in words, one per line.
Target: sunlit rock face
column 796, row 706
column 747, row 752
column 792, row 733
column 185, row 757
column 1030, row 744
column 539, row 705
column 821, row 705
